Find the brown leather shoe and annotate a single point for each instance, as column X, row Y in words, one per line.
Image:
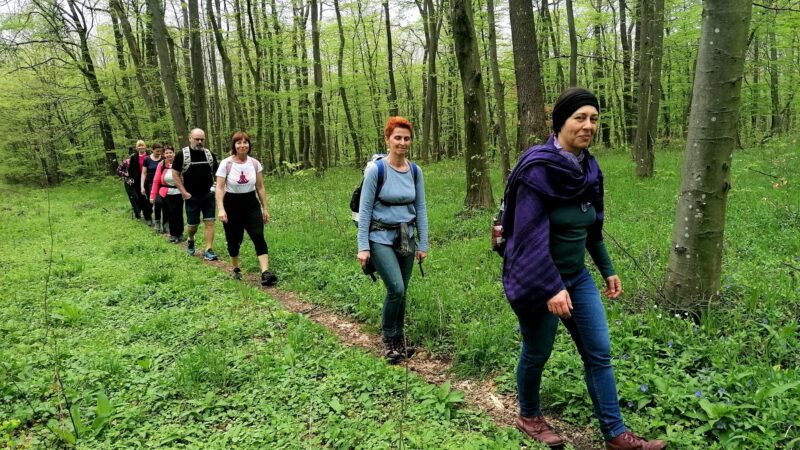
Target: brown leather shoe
column 538, row 429
column 630, row 441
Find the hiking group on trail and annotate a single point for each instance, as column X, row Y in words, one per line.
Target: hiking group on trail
column 552, row 213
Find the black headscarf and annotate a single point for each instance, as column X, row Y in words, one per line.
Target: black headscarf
column 568, row 102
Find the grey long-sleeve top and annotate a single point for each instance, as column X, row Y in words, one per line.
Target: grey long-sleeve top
column 398, row 187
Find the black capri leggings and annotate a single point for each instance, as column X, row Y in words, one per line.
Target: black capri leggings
column 244, row 213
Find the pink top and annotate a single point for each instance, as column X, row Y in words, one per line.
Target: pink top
column 161, row 184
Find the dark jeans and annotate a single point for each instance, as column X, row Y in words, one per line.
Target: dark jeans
column 144, row 205
column 244, row 214
column 133, row 198
column 589, row 331
column 173, row 214
column 157, row 206
column 395, row 271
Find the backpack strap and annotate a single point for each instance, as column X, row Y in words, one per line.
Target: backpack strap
column 381, row 178
column 187, row 159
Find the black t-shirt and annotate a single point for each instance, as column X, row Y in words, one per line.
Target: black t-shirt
column 199, row 177
column 152, row 166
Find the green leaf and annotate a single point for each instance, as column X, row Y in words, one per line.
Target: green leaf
column 336, row 405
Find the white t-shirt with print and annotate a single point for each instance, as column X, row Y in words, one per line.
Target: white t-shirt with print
column 241, row 176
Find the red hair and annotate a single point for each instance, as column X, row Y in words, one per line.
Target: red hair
column 397, row 122
column 240, row 136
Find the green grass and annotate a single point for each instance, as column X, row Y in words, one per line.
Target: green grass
column 729, row 382
column 157, row 350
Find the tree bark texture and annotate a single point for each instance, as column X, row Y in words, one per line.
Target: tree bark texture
column 531, row 118
column 499, row 94
column 695, row 260
column 168, row 72
column 573, row 46
column 342, row 91
column 235, row 113
column 479, row 188
column 393, row 109
column 320, row 156
column 652, row 23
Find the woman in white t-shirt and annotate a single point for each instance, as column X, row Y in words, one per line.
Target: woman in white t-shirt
column 242, row 205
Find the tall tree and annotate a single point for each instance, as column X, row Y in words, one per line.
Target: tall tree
column 499, row 93
column 652, row 23
column 573, row 46
column 695, row 260
column 342, row 91
column 627, row 77
column 168, row 71
column 531, row 118
column 479, row 188
column 320, row 156
column 199, row 103
column 432, row 25
column 235, row 114
column 393, row 110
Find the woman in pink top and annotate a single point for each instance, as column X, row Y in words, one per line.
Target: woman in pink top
column 171, row 199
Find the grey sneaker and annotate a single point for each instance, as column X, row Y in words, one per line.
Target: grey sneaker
column 209, row 255
column 236, row 273
column 190, row 247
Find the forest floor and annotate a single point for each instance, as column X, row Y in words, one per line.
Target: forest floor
column 479, row 393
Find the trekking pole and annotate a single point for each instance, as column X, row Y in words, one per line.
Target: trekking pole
column 421, row 272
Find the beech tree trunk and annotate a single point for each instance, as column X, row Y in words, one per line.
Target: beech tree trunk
column 573, row 46
column 499, row 94
column 695, row 260
column 652, row 23
column 235, row 114
column 342, row 91
column 531, row 118
column 393, row 109
column 320, row 156
column 479, row 188
column 168, row 72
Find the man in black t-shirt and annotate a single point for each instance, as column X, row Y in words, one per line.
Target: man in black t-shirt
column 195, row 179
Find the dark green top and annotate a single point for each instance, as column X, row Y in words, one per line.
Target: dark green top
column 569, row 226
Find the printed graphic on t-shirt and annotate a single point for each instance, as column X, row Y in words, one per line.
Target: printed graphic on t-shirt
column 243, row 178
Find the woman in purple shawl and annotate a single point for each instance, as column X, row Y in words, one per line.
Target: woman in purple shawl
column 554, row 214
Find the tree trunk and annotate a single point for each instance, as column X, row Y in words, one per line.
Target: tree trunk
column 694, row 272
column 168, row 75
column 393, row 109
column 550, row 33
column 573, row 46
column 431, row 17
column 531, row 120
column 320, row 156
column 130, row 111
column 342, row 91
column 234, row 109
column 199, row 104
column 479, row 187
column 775, row 126
column 499, row 94
column 649, row 86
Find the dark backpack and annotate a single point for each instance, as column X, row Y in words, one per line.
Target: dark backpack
column 377, row 159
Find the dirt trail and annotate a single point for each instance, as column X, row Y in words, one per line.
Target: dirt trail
column 481, row 394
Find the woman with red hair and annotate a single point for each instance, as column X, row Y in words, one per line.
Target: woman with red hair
column 393, row 228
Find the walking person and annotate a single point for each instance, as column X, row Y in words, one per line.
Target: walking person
column 554, row 212
column 135, row 172
column 242, row 205
column 193, row 171
column 149, row 167
column 170, row 197
column 393, row 229
column 129, row 183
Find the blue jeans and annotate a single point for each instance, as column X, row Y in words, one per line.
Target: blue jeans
column 589, row 331
column 395, row 271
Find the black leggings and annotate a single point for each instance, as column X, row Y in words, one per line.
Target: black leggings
column 155, row 206
column 173, row 213
column 133, row 198
column 244, row 214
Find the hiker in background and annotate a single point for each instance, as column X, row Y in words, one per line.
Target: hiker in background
column 135, row 172
column 553, row 214
column 129, row 183
column 149, row 167
column 165, row 192
column 393, row 229
column 193, row 172
column 242, row 205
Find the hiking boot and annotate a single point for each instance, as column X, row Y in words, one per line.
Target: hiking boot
column 156, row 227
column 268, row 278
column 400, row 346
column 629, row 441
column 149, row 222
column 390, row 350
column 209, row 255
column 164, row 227
column 236, row 273
column 190, row 247
column 539, row 430
column 174, row 239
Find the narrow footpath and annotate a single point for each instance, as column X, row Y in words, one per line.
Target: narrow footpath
column 479, row 394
